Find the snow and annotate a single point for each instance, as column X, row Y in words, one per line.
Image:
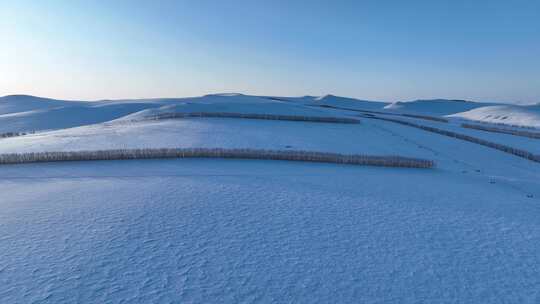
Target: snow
column 344, row 102
column 257, row 106
column 528, row 116
column 524, row 143
column 251, row 231
column 439, row 107
column 66, row 116
column 236, row 231
column 22, row 113
column 215, row 133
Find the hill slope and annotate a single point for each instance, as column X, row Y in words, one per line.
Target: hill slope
column 435, row 106
column 528, row 116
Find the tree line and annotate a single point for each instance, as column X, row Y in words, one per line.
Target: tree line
column 326, row 119
column 157, row 153
column 425, row 117
column 521, row 133
column 14, row 134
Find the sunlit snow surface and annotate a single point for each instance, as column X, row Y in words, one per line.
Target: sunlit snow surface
column 230, row 231
column 241, row 231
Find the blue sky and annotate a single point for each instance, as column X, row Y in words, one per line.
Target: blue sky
column 382, row 50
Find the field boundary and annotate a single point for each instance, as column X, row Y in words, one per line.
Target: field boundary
column 522, row 133
column 324, row 119
column 162, row 153
column 425, row 117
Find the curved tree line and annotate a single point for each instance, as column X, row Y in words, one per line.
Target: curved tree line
column 150, row 153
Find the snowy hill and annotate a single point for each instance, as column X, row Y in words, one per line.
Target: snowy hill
column 344, row 102
column 528, row 116
column 435, row 106
column 237, row 230
column 24, row 103
column 67, row 116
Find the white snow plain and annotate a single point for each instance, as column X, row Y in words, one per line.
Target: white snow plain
column 247, row 231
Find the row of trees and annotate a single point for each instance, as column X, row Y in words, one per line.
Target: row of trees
column 522, row 133
column 255, row 116
column 307, row 156
column 13, row 134
column 506, row 125
column 426, row 117
column 518, row 152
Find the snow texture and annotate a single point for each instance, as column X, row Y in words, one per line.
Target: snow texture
column 254, row 231
column 248, row 231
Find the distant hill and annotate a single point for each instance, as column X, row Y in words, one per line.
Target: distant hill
column 528, row 116
column 436, row 106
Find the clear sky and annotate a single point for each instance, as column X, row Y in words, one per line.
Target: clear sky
column 486, row 50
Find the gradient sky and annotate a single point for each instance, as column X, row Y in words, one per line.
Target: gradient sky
column 383, row 50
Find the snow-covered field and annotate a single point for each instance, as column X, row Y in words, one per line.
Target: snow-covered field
column 247, row 231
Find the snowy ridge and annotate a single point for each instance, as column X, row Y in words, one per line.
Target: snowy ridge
column 255, row 107
column 67, row 116
column 23, row 103
column 521, row 116
column 337, row 101
column 435, row 106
